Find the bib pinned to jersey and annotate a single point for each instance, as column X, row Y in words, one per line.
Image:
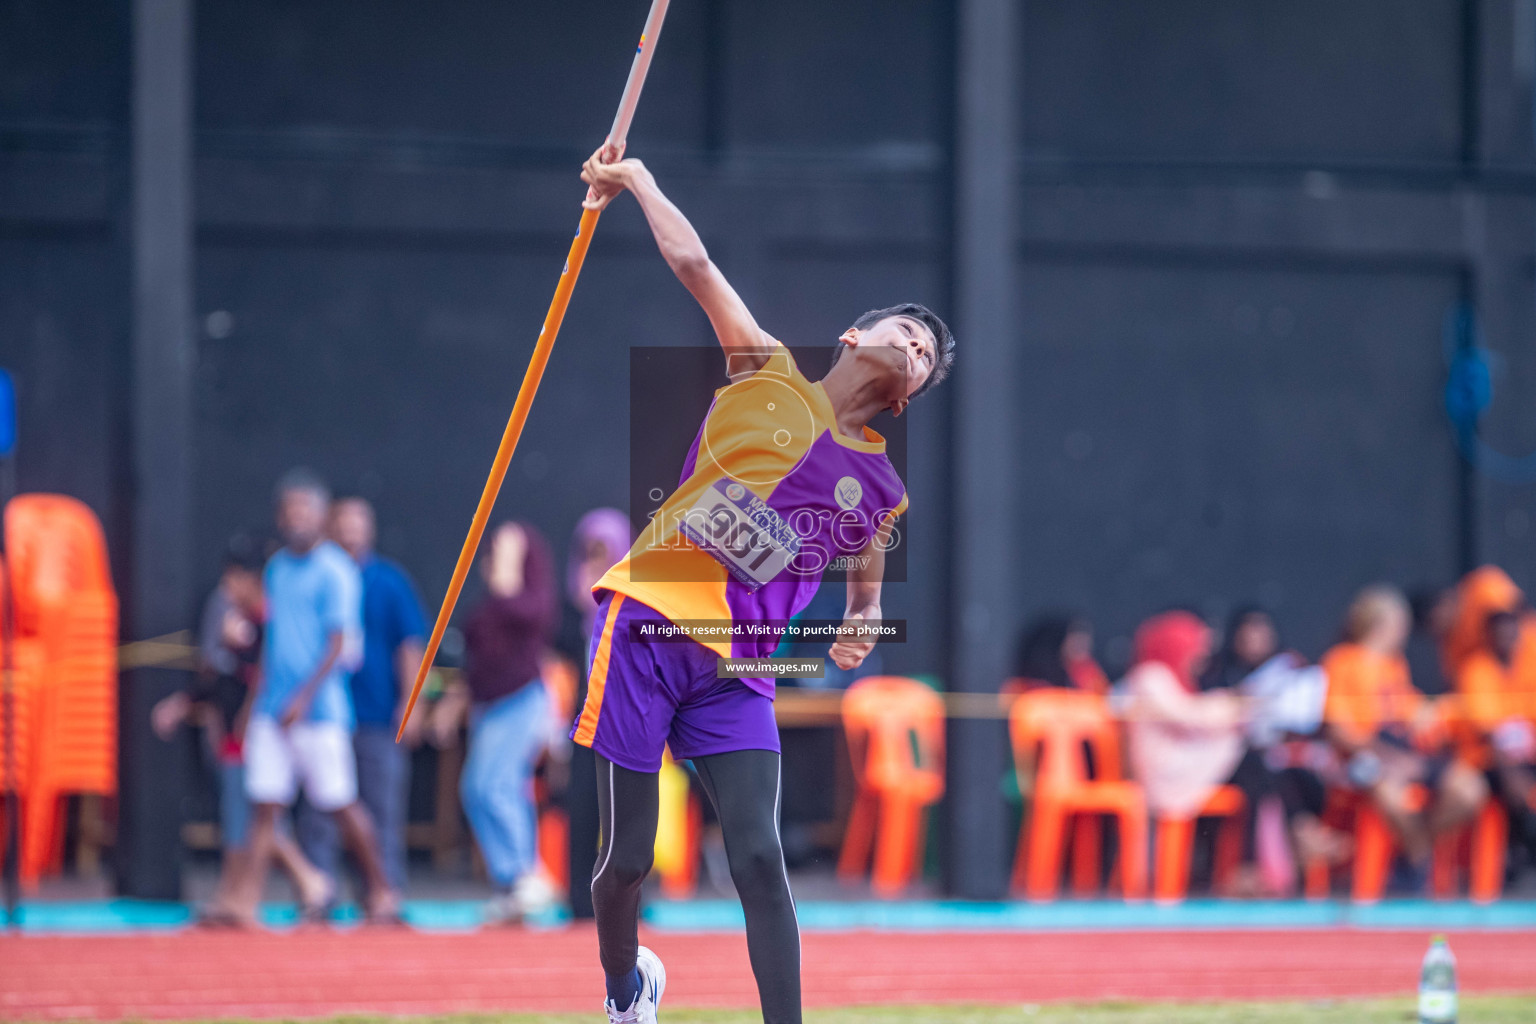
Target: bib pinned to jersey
column 740, row 531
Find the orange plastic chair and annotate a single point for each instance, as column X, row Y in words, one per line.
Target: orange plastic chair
column 1485, row 841
column 26, row 658
column 1176, row 839
column 26, row 677
column 895, row 730
column 1087, row 842
column 1059, row 723
column 65, row 605
column 1374, row 846
column 1339, row 813
column 1482, row 846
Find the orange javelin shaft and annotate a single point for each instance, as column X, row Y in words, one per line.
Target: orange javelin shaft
column 504, row 451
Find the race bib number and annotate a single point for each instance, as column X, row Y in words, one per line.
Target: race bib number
column 741, row 532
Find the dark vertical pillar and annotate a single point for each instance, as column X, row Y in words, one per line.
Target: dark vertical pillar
column 1477, row 276
column 157, row 603
column 984, row 501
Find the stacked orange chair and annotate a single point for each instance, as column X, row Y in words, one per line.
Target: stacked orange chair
column 1059, row 723
column 66, row 636
column 895, row 730
column 26, row 672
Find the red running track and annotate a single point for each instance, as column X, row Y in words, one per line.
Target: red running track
column 318, row 972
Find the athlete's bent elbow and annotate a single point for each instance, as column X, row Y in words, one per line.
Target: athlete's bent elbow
column 691, row 266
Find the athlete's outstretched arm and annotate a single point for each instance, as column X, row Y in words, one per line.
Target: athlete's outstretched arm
column 865, row 576
column 745, row 344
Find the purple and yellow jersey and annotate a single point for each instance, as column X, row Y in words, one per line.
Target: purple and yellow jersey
column 771, row 496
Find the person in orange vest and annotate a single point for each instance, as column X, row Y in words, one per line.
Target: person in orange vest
column 1498, row 706
column 1390, row 736
column 1480, row 593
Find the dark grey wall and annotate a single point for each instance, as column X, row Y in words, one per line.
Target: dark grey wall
column 1241, row 228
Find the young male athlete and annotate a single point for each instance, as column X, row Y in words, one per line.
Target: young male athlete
column 784, row 480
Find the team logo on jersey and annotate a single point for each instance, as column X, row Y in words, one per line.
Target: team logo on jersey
column 735, row 491
column 848, row 492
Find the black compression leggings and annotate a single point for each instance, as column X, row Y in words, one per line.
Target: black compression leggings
column 744, row 786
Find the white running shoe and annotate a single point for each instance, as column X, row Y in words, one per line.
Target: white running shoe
column 653, row 982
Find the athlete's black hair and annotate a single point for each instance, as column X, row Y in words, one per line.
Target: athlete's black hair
column 943, row 340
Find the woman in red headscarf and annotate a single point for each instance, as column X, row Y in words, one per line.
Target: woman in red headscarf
column 1183, row 743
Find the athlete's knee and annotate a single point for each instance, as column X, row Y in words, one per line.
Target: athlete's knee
column 757, row 865
column 625, row 868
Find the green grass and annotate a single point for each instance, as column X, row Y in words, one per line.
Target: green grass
column 1474, row 1010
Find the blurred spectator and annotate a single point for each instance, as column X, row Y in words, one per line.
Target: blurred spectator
column 1391, row 736
column 601, row 538
column 1057, row 650
column 229, row 642
column 300, row 731
column 508, row 708
column 393, row 635
column 1251, row 640
column 1287, row 703
column 1183, row 744
column 1479, row 594
column 1498, row 734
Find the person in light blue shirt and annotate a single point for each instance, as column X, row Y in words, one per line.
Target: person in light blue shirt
column 393, row 639
column 312, row 598
column 300, row 731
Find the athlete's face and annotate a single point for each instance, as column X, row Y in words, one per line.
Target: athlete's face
column 908, row 336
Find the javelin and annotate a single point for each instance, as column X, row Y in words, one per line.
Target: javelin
column 616, row 136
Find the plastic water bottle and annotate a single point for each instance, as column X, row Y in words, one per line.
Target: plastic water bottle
column 1437, row 984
